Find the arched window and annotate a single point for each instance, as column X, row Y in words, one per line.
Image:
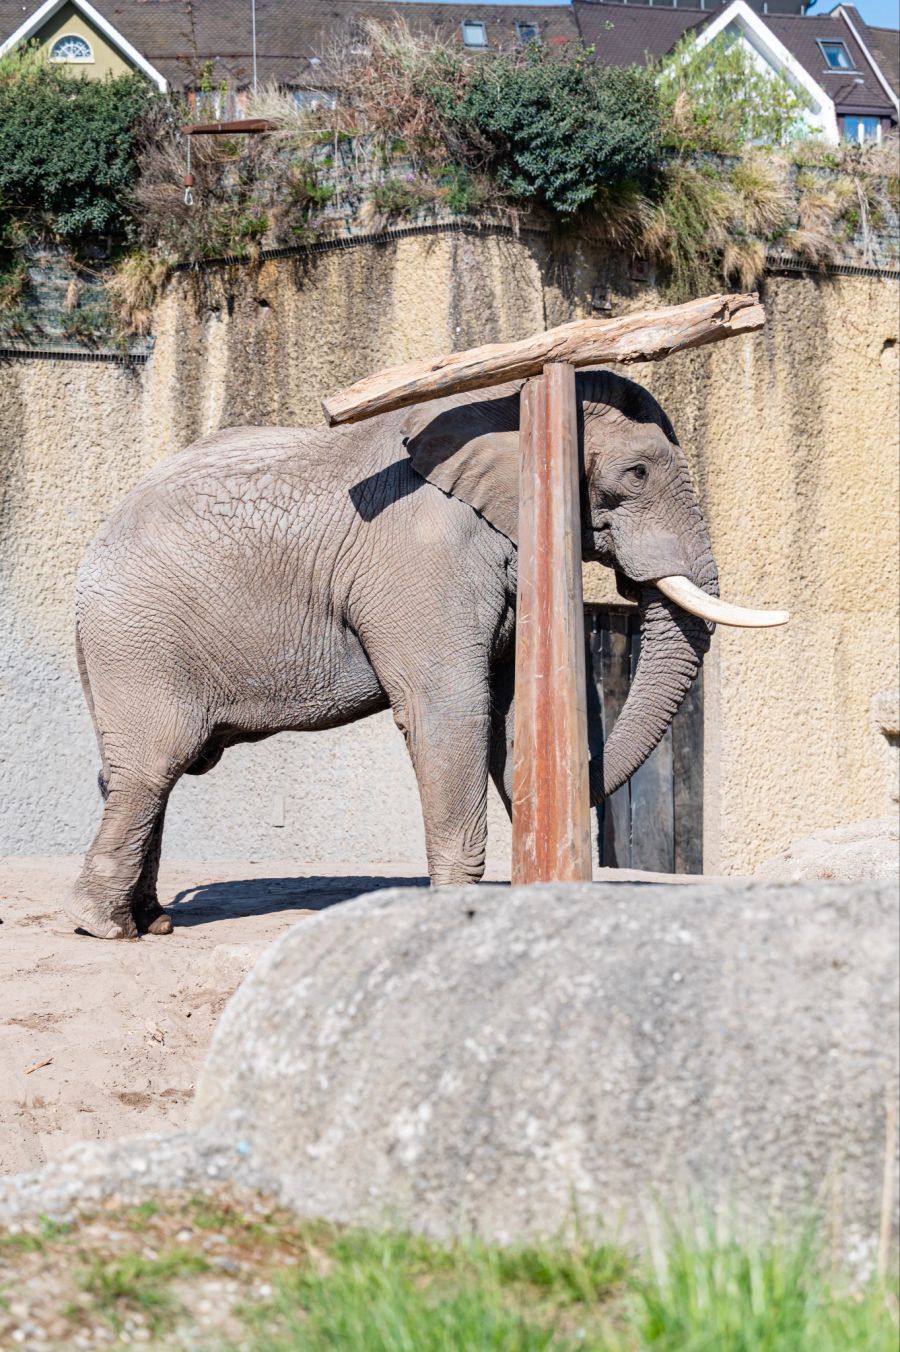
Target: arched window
column 71, row 47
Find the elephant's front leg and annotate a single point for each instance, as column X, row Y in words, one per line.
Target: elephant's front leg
column 446, row 722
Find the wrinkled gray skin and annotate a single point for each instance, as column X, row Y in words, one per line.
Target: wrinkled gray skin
column 268, row 579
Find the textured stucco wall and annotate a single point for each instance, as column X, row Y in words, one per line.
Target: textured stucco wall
column 792, row 437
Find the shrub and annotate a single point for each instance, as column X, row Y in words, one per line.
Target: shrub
column 399, row 88
column 67, row 145
column 558, row 131
column 13, row 273
column 463, row 192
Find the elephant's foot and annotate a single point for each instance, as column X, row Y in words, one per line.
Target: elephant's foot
column 150, row 918
column 98, row 918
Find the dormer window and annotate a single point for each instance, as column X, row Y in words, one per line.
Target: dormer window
column 528, row 32
column 71, row 47
column 836, row 55
column 474, row 33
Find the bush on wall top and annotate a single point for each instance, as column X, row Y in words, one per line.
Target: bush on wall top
column 558, row 131
column 67, row 146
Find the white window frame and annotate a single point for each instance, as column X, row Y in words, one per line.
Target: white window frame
column 474, row 23
column 72, row 60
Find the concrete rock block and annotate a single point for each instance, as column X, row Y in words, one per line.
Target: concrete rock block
column 494, row 1059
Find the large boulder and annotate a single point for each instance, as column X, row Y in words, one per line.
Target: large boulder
column 869, row 849
column 500, row 1059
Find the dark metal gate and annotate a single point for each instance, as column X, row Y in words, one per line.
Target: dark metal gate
column 655, row 821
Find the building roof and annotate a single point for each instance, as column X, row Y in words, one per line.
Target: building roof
column 624, row 35
column 884, row 44
column 181, row 39
column 627, row 35
column 858, row 90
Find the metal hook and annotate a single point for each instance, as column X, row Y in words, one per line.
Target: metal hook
column 188, row 178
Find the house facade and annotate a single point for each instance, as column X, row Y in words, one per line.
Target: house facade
column 76, row 35
column 209, row 43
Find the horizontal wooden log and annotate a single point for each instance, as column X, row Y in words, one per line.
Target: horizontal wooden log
column 247, row 126
column 647, row 335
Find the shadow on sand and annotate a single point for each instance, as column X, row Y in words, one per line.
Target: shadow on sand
column 236, row 899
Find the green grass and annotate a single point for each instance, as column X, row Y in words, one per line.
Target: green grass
column 717, row 1295
column 396, row 1293
column 312, row 1286
column 135, row 1283
column 24, row 1242
column 139, row 1217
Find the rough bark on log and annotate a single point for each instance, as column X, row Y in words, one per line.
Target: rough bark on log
column 647, row 335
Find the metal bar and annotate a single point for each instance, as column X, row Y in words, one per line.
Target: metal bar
column 253, row 38
column 551, row 804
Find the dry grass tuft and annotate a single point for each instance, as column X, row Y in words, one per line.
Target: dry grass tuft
column 687, row 228
column 389, row 76
column 134, row 289
column 764, row 198
column 73, row 293
column 302, row 124
column 744, row 262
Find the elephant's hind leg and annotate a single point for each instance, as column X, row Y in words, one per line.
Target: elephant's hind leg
column 149, row 915
column 107, row 899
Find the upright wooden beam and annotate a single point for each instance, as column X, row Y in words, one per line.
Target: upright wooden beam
column 551, row 802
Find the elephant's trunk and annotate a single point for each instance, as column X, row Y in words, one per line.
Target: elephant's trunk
column 673, row 644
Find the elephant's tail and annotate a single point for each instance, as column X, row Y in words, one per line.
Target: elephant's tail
column 103, row 775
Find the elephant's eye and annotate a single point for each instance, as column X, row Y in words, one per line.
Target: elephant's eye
column 638, row 472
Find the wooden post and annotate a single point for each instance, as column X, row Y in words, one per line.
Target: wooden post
column 551, row 803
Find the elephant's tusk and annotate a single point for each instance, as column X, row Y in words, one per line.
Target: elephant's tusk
column 714, row 609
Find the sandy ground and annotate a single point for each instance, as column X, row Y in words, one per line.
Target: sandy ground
column 125, row 1026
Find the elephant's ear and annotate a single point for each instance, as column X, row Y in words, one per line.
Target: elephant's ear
column 469, row 453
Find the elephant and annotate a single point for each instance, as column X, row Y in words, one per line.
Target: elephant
column 268, row 579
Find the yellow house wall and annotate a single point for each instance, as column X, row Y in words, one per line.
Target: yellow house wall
column 792, row 437
column 107, row 60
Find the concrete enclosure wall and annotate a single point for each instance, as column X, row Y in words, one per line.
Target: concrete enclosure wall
column 792, row 438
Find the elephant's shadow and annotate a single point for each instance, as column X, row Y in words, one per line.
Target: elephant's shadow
column 242, row 897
